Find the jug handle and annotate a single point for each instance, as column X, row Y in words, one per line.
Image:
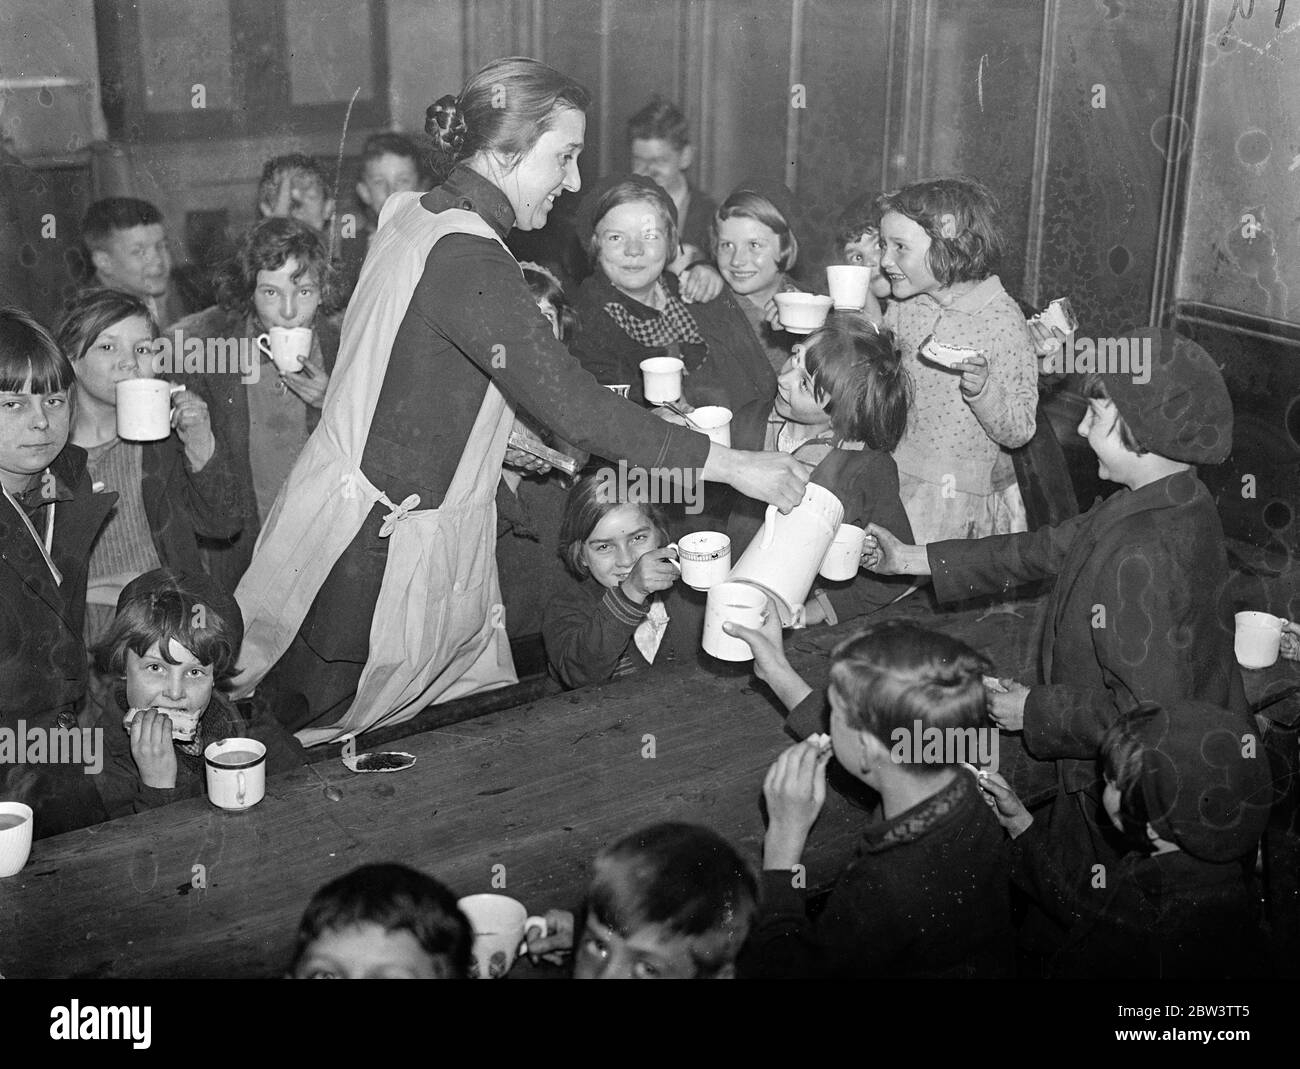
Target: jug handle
column 769, row 526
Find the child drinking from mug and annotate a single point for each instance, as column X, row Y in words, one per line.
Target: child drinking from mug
column 174, row 639
column 615, row 618
column 927, row 893
column 940, row 245
column 170, row 492
column 841, row 406
column 382, row 922
column 671, row 901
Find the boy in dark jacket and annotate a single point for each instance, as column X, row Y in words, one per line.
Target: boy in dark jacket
column 927, row 893
column 1139, row 609
column 1189, row 788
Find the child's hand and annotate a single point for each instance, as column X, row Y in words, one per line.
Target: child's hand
column 974, row 375
column 152, row 749
column 1047, row 339
column 1008, row 710
column 559, row 943
column 795, row 789
column 766, row 642
column 1290, row 641
column 309, row 383
column 193, row 427
column 700, row 284
column 1009, row 810
column 884, row 554
column 655, row 570
column 773, row 315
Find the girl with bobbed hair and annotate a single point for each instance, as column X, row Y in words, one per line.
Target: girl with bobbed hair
column 374, row 588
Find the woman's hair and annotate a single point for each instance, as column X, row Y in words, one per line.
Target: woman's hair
column 93, row 312
column 592, row 499
column 1094, row 389
column 165, row 605
column 1121, row 757
column 683, row 879
column 635, row 192
column 858, row 370
column 897, row 673
column 268, row 247
column 504, row 108
column 746, row 204
column 397, row 899
column 546, row 289
column 660, row 120
column 30, row 358
column 973, row 252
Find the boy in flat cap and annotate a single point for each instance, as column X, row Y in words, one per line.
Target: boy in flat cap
column 1139, row 610
column 1189, row 789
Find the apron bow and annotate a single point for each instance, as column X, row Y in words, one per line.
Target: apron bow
column 399, row 513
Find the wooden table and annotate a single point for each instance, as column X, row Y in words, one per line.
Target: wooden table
column 524, row 797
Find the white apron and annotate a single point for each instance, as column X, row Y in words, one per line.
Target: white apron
column 438, row 629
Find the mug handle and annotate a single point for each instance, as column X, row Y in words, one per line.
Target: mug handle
column 676, row 564
column 530, row 923
column 242, row 790
column 264, row 344
column 769, row 526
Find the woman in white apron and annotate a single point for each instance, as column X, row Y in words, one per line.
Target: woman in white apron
column 374, row 583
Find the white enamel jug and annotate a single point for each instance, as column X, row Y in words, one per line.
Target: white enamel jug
column 784, row 556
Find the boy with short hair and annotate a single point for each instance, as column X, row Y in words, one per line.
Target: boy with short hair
column 296, row 186
column 1139, row 610
column 927, row 893
column 390, row 164
column 129, row 250
column 383, row 922
column 1189, row 788
column 671, row 901
column 660, row 147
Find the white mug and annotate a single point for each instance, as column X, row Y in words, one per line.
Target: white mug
column 288, row 347
column 845, row 553
column 144, row 409
column 236, row 771
column 737, row 603
column 1258, row 639
column 500, row 926
column 16, row 822
column 663, row 378
column 704, row 558
column 849, row 285
column 713, row 420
